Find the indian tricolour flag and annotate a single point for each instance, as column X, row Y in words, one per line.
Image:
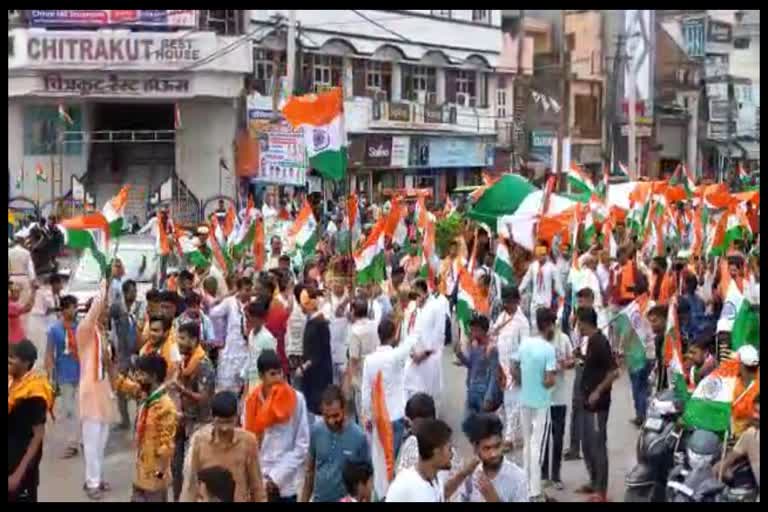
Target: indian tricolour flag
column 502, row 265
column 623, row 170
column 369, row 258
column 302, row 235
column 382, row 438
column 470, row 299
column 632, row 328
column 733, row 297
column 321, row 117
column 710, row 405
column 689, row 181
column 114, row 211
column 90, row 231
column 190, row 251
column 64, row 115
column 352, row 219
column 746, row 326
column 673, row 354
column 579, row 179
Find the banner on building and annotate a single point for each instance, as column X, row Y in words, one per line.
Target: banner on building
column 102, row 18
column 459, row 152
column 400, row 150
column 124, row 51
column 282, row 156
column 639, row 26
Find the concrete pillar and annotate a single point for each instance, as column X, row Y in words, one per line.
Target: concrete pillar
column 693, row 133
column 440, row 81
column 347, row 79
column 397, row 78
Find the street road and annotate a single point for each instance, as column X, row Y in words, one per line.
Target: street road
column 62, row 480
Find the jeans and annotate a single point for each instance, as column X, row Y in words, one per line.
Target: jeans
column 177, row 464
column 639, row 380
column 595, row 441
column 577, row 411
column 556, row 434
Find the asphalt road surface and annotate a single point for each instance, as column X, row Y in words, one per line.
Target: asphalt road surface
column 62, row 480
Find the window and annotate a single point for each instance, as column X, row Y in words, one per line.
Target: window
column 587, row 116
column 741, row 43
column 481, row 16
column 227, row 22
column 326, row 71
column 423, row 78
column 465, row 82
column 501, row 103
column 693, row 35
column 442, row 14
column 41, row 127
column 378, row 75
column 264, row 69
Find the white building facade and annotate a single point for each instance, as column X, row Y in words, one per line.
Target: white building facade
column 98, row 99
column 424, row 96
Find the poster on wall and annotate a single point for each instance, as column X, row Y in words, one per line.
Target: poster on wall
column 134, row 17
column 400, row 149
column 282, row 156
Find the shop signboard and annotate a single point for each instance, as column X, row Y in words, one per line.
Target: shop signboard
column 282, row 156
column 542, row 139
column 719, row 32
column 378, row 150
column 400, row 149
column 457, row 152
column 114, row 84
column 105, row 50
column 104, row 18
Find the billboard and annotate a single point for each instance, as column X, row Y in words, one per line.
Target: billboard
column 640, row 35
column 102, row 18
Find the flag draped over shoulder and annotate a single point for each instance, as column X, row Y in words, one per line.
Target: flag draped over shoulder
column 321, row 117
column 632, row 329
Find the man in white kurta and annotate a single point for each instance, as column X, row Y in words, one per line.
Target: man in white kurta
column 423, row 368
column 21, row 271
column 510, row 328
column 540, row 280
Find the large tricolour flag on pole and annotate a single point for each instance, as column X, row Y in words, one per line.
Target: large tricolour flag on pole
column 302, row 235
column 369, row 258
column 322, row 118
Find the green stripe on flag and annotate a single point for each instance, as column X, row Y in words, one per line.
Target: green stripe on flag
column 330, row 164
column 373, row 273
column 634, row 348
column 746, row 327
column 709, row 415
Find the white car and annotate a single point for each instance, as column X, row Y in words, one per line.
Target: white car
column 140, row 260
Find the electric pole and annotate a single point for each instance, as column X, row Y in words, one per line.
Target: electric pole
column 565, row 70
column 290, row 70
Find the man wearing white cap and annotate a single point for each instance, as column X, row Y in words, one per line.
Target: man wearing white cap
column 746, row 389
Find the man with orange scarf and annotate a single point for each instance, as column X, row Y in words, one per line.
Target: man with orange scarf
column 195, row 387
column 30, row 398
column 277, row 414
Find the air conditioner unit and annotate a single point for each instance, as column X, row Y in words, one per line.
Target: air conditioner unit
column 462, row 99
column 432, row 98
column 421, row 97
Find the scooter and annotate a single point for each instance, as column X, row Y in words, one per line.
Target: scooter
column 657, row 443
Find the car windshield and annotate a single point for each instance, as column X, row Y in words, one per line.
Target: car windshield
column 140, row 265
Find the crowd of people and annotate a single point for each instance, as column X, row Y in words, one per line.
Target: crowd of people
column 293, row 383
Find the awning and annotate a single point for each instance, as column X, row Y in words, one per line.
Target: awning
column 751, row 149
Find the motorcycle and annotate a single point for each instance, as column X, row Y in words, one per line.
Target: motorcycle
column 693, row 478
column 659, row 440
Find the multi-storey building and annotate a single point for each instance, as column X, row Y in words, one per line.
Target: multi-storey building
column 101, row 98
column 425, row 95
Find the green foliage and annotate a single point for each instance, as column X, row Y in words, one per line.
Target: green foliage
column 447, row 229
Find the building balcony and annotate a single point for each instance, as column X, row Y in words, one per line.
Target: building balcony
column 368, row 114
